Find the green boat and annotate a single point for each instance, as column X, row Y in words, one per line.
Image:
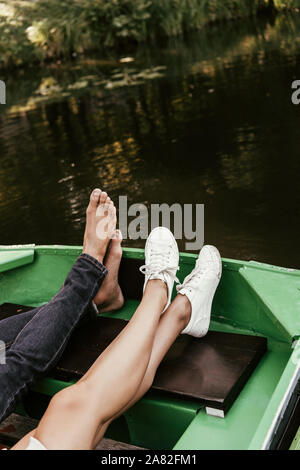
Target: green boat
column 253, row 301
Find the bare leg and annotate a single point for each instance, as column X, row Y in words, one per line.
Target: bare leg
column 110, row 296
column 24, row 442
column 100, row 214
column 172, row 322
column 110, row 383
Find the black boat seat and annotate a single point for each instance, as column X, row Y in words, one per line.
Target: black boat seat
column 211, row 370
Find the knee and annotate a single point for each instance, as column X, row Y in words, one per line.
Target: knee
column 69, row 399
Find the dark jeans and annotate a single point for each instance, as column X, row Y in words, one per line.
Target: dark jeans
column 35, row 340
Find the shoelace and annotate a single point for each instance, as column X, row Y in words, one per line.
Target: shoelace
column 151, row 269
column 192, row 280
column 159, row 258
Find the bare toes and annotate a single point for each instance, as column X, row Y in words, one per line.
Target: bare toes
column 113, row 214
column 103, row 197
column 117, row 235
column 94, row 200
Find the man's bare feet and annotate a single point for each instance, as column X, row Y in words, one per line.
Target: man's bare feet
column 100, row 224
column 110, row 296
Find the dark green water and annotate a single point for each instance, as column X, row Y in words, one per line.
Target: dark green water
column 208, row 119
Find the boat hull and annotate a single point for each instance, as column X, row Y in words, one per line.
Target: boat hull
column 252, row 299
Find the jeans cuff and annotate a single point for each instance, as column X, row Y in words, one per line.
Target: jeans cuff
column 95, row 262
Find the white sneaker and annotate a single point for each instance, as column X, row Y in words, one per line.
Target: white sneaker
column 199, row 287
column 162, row 258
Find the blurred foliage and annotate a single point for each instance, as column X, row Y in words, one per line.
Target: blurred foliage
column 209, row 52
column 39, row 30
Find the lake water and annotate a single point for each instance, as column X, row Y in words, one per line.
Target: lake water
column 205, row 119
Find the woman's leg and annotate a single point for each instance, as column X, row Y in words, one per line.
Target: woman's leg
column 189, row 313
column 24, row 442
column 75, row 415
column 171, row 323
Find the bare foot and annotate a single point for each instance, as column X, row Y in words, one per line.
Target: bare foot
column 100, row 224
column 109, row 296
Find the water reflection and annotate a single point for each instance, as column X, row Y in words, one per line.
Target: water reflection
column 206, row 120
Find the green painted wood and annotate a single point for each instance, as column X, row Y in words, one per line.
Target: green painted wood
column 264, row 430
column 157, row 423
column 14, row 259
column 296, row 441
column 278, row 292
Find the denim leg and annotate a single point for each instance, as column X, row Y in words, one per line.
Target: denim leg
column 10, row 327
column 41, row 342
